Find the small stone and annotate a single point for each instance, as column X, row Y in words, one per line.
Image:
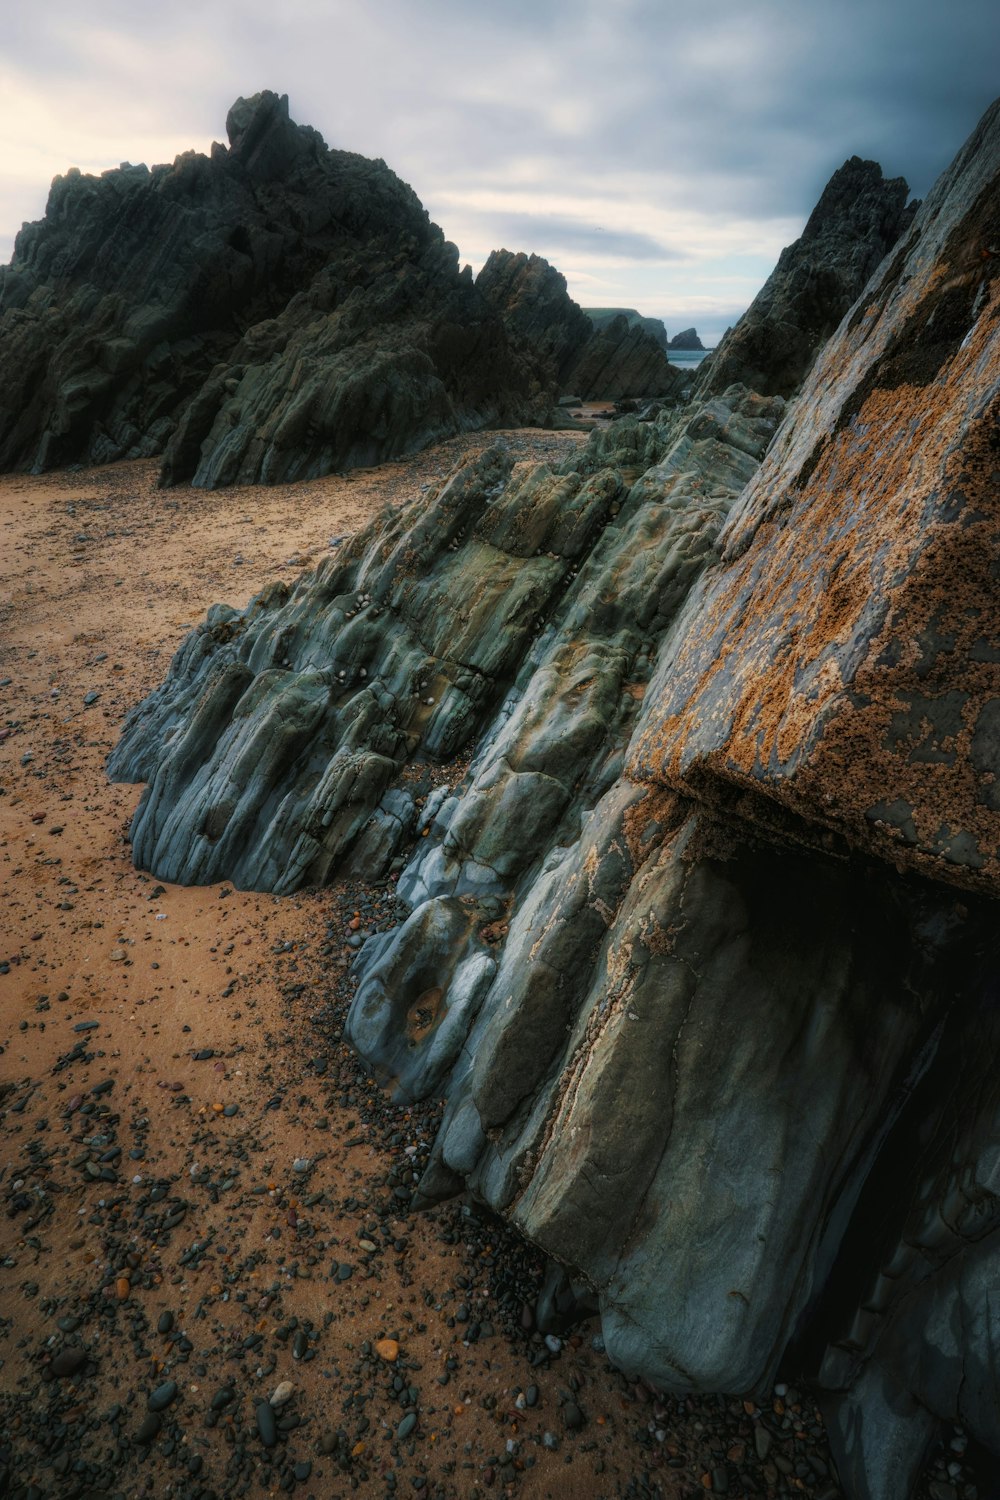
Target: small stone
column 282, row 1393
column 149, row 1427
column 266, row 1425
column 573, row 1416
column 406, row 1426
column 68, row 1361
column 163, row 1395
column 387, row 1349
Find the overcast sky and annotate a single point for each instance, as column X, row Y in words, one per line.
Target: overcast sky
column 659, row 153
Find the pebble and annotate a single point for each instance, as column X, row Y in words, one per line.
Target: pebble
column 163, row 1395
column 406, row 1426
column 573, row 1416
column 68, row 1361
column 149, row 1427
column 282, row 1393
column 266, row 1425
column 165, row 1322
column 387, row 1349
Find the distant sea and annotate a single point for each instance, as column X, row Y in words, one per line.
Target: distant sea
column 686, row 358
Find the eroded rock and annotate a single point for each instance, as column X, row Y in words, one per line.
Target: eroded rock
column 858, row 219
column 272, row 311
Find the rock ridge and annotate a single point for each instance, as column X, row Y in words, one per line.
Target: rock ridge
column 860, row 216
column 274, row 310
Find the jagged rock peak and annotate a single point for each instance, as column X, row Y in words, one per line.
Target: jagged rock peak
column 859, row 217
column 248, row 119
column 530, row 296
column 274, row 310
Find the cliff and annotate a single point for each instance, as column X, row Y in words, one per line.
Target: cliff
column 600, row 317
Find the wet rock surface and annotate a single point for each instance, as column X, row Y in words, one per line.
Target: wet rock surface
column 275, row 310
column 858, row 219
column 699, row 946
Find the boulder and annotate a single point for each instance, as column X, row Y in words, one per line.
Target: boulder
column 274, row 310
column 858, row 219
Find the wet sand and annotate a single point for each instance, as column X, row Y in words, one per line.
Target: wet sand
column 202, row 1192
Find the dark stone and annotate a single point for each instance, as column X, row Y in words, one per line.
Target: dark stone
column 162, row 1397
column 67, row 1362
column 266, row 1424
column 149, row 1428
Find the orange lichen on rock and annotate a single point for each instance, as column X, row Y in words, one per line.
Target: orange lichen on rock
column 843, row 660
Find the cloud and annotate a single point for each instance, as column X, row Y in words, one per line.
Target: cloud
column 659, row 150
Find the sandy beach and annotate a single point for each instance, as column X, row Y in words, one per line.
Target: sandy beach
column 204, row 1197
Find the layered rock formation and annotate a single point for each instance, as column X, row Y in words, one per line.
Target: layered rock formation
column 272, row 311
column 605, row 358
column 701, row 947
column 622, row 360
column 273, row 746
column 602, row 316
column 857, row 220
column 530, row 297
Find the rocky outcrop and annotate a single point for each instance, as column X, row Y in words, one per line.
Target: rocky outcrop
column 600, row 317
column 701, row 944
column 530, row 297
column 858, row 219
column 620, row 361
column 271, row 311
column 273, row 747
column 599, row 359
column 687, row 340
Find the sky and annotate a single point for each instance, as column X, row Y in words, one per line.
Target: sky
column 659, row 153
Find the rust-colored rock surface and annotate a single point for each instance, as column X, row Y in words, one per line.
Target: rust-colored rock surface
column 843, row 662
